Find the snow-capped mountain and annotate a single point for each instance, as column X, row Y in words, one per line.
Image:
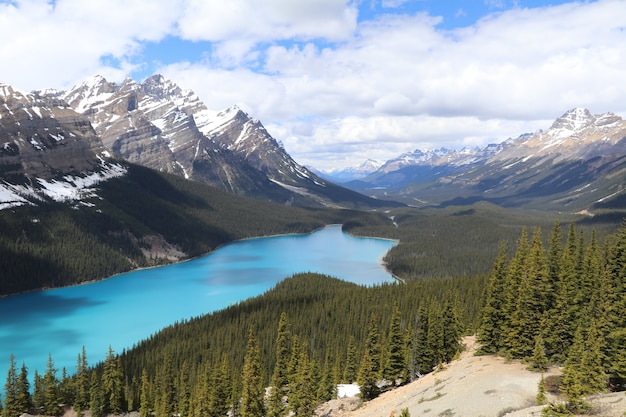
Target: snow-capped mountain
column 159, row 125
column 352, row 173
column 579, row 161
column 47, row 151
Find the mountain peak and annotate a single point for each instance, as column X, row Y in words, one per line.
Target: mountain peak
column 160, row 87
column 574, row 119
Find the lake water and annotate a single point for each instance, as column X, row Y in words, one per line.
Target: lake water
column 127, row 308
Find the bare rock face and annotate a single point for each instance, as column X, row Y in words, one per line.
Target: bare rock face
column 159, row 125
column 44, row 138
column 48, row 151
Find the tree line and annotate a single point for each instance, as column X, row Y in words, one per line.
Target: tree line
column 562, row 304
column 300, row 339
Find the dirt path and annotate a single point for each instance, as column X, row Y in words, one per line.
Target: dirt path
column 471, row 386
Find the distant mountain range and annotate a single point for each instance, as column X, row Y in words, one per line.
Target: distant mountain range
column 59, row 144
column 577, row 163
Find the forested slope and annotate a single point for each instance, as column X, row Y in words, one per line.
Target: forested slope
column 144, row 218
column 314, row 330
column 562, row 304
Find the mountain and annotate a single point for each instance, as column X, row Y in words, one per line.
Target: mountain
column 351, row 173
column 161, row 126
column 578, row 163
column 47, row 151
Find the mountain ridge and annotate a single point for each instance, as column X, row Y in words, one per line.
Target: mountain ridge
column 157, row 124
column 577, row 163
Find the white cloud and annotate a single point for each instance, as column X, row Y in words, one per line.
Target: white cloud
column 334, row 90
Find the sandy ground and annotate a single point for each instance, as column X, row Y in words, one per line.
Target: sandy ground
column 471, row 386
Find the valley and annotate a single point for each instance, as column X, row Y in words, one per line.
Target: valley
column 108, row 178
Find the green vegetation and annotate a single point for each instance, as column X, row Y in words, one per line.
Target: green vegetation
column 296, row 333
column 562, row 305
column 56, row 245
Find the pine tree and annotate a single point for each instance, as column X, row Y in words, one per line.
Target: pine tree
column 350, row 370
column 573, row 376
column 112, row 384
column 165, row 401
column 280, row 376
column 395, row 359
column 373, row 344
column 51, row 398
column 11, row 404
column 451, row 329
column 96, row 401
column 81, row 403
column 532, row 303
column 367, row 378
column 24, row 399
column 327, row 387
column 562, row 319
column 301, row 395
column 591, row 362
column 184, row 390
column 435, row 337
column 539, row 361
column 491, row 331
column 541, row 397
column 38, row 391
column 219, row 401
column 145, row 401
column 252, row 390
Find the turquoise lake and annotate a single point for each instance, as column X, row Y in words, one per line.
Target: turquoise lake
column 122, row 310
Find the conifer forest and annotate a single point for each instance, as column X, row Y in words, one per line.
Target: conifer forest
column 547, row 299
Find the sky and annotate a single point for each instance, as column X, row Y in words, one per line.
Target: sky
column 340, row 81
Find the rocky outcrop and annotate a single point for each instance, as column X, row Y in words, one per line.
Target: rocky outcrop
column 47, row 150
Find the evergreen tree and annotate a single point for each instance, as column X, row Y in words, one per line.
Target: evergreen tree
column 591, row 362
column 451, row 329
column 112, row 384
column 491, row 331
column 11, row 404
column 562, row 320
column 541, row 397
column 96, row 401
column 435, row 337
column 165, row 401
column 327, row 387
column 302, row 394
column 82, row 383
column 24, row 399
column 395, row 359
column 516, row 274
column 351, row 368
column 252, row 390
column 51, row 397
column 38, row 391
column 367, row 378
column 532, row 302
column 280, row 376
column 539, row 361
column 145, row 400
column 184, row 390
column 219, row 402
column 573, row 376
column 373, row 344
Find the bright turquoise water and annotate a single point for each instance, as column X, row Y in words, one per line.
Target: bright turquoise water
column 122, row 310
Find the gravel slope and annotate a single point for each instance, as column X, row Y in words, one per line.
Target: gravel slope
column 471, row 386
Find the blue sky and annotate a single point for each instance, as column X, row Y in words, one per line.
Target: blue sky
column 341, row 81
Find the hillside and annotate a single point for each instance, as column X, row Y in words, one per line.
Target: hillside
column 468, row 387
